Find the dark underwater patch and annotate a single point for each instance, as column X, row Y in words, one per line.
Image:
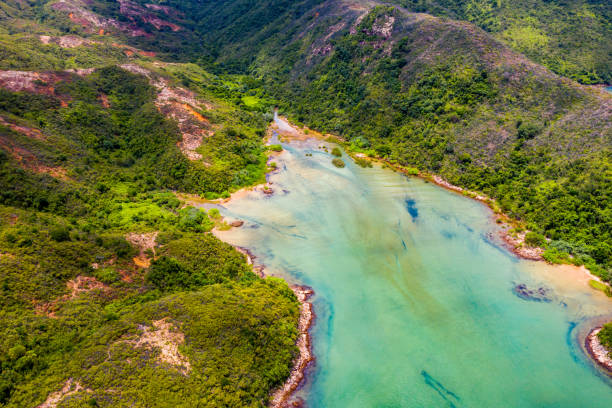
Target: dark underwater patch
column 569, row 342
column 446, row 394
column 535, row 295
column 448, row 234
column 411, row 208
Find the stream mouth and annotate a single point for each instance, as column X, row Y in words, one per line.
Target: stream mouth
column 417, row 303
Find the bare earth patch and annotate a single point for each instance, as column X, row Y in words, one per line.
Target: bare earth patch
column 66, row 41
column 166, row 338
column 144, row 242
column 29, row 81
column 29, row 161
column 84, row 284
column 94, row 23
column 135, row 11
column 24, row 130
column 183, row 106
column 70, row 388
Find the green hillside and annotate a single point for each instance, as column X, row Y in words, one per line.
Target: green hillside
column 571, row 37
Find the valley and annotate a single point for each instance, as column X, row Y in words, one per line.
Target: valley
column 233, row 204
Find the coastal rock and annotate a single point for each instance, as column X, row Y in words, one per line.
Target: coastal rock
column 597, row 351
column 281, row 398
column 536, row 295
column 237, row 223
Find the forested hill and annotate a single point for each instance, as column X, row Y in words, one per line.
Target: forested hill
column 433, row 93
column 571, row 37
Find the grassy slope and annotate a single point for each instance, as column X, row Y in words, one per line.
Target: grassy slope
column 85, row 160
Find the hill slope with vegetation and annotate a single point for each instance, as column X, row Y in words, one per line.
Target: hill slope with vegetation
column 571, row 37
column 112, row 291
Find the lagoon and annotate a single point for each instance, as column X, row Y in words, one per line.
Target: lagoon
column 415, row 295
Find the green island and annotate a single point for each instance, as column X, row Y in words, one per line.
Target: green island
column 118, row 119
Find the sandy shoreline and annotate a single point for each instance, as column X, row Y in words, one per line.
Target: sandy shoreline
column 597, row 351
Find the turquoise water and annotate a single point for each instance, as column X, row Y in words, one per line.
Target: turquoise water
column 414, row 298
column 609, row 88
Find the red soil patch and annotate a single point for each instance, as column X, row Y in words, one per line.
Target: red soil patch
column 29, row 132
column 29, row 81
column 104, row 101
column 94, row 23
column 145, row 242
column 29, row 161
column 147, row 53
column 134, row 12
column 35, row 82
column 181, row 105
column 169, row 11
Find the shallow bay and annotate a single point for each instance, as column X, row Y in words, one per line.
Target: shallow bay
column 414, row 293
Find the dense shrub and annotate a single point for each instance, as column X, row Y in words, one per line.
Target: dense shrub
column 534, row 239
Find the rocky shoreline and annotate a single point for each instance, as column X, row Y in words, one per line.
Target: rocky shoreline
column 282, row 396
column 514, row 243
column 597, row 351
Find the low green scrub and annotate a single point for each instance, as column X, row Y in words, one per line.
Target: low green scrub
column 533, row 239
column 605, row 337
column 275, row 148
column 338, row 162
column 73, row 299
column 600, row 286
column 362, row 162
